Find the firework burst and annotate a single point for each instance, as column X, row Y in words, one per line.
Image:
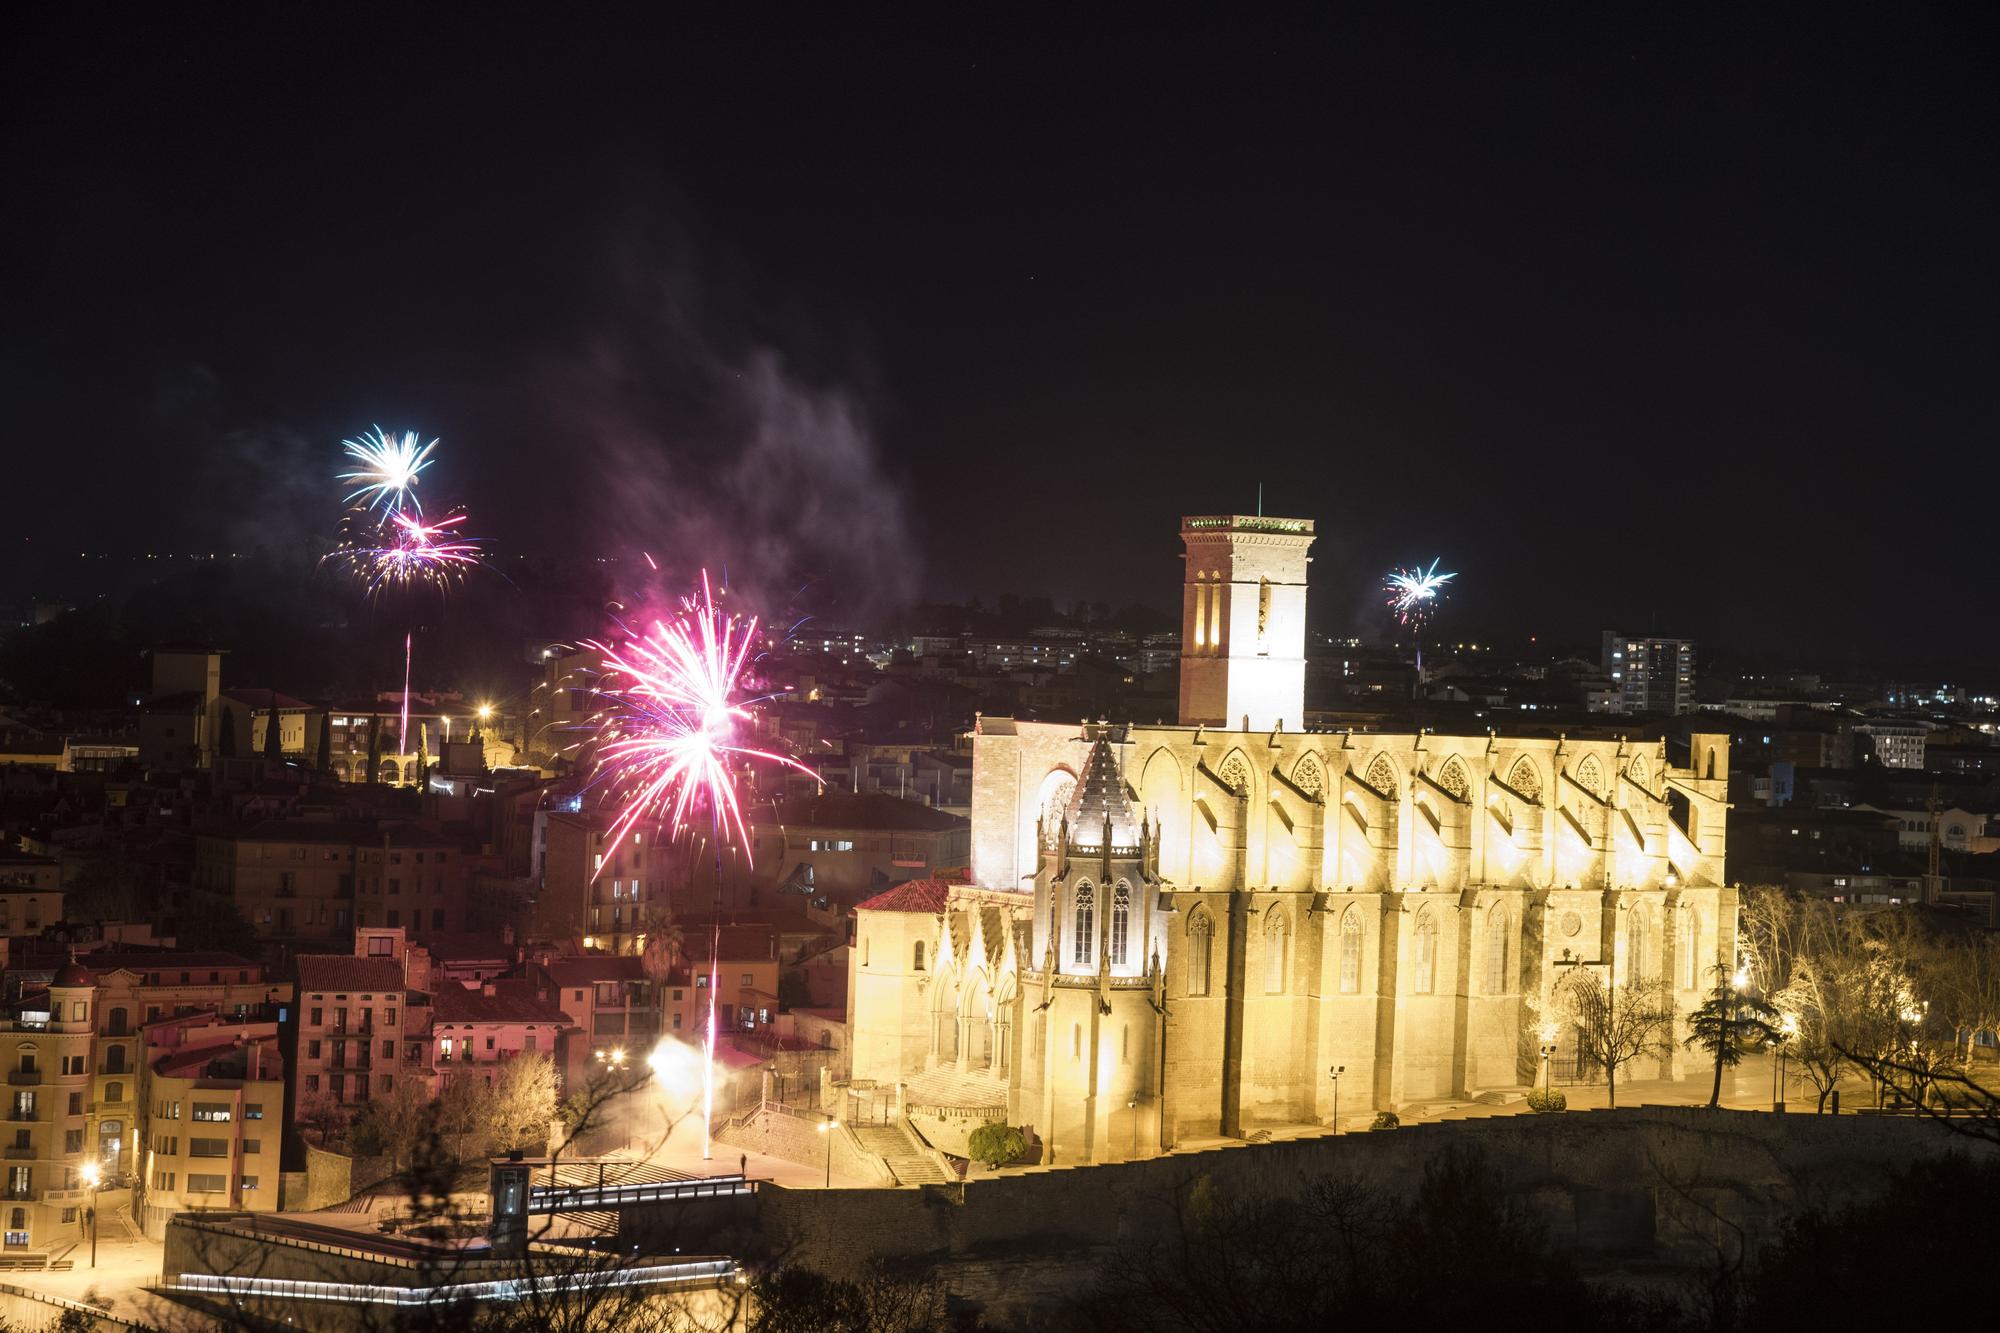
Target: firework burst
column 668, row 745
column 1414, row 593
column 407, row 553
column 386, row 470
column 668, row 733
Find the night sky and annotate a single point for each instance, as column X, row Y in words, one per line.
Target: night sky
column 1680, row 320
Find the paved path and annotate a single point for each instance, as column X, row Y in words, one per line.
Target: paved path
column 682, row 1152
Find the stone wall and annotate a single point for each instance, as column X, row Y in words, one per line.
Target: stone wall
column 797, row 1139
column 329, row 1179
column 1634, row 1185
column 27, row 1310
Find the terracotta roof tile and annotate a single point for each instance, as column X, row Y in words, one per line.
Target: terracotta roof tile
column 345, row 972
column 918, row 895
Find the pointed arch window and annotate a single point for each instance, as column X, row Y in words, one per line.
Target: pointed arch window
column 1350, row 951
column 1426, row 956
column 1639, row 937
column 1121, row 922
column 1690, row 935
column 1496, row 953
column 1086, row 926
column 1277, row 942
column 1201, row 935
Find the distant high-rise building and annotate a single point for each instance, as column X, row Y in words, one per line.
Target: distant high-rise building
column 1650, row 675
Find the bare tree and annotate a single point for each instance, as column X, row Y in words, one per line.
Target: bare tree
column 1617, row 1025
column 522, row 1105
column 1806, row 959
column 1964, row 988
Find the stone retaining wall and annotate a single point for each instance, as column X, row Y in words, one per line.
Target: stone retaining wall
column 1635, row 1185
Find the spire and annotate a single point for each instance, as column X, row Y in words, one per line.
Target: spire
column 1099, row 811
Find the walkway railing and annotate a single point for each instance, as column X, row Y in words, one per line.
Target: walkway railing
column 590, row 1198
column 693, row 1273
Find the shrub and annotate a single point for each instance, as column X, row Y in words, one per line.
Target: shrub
column 1386, row 1120
column 1544, row 1101
column 996, row 1144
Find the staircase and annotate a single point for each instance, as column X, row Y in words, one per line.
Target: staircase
column 897, row 1147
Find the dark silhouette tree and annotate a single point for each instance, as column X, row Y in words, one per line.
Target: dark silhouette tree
column 1729, row 1023
column 274, row 736
column 374, row 745
column 324, row 760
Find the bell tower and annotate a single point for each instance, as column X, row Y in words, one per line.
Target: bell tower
column 1243, row 621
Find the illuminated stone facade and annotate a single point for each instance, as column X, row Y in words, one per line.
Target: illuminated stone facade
column 1179, row 931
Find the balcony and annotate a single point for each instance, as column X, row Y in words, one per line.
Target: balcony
column 18, row 1116
column 24, row 1078
column 20, row 1152
column 65, row 1196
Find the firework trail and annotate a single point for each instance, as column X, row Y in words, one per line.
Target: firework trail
column 667, row 741
column 386, row 471
column 1414, row 595
column 388, row 545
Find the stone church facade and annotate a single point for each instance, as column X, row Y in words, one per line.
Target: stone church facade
column 1182, row 931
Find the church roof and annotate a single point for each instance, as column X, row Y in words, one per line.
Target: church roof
column 919, row 895
column 1099, row 794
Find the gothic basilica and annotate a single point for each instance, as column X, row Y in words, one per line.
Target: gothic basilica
column 1194, row 930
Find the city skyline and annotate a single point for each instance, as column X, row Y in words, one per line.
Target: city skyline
column 1625, row 322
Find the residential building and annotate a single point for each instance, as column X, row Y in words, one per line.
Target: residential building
column 213, row 1095
column 306, row 882
column 838, row 847
column 362, row 1024
column 1652, row 675
column 608, row 1001
column 596, row 897
column 1897, row 744
column 474, row 1032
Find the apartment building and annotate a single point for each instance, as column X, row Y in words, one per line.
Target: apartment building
column 75, row 1070
column 58, row 1118
column 213, row 1093
column 598, row 896
column 362, row 1024
column 310, row 882
column 377, row 1018
column 1651, row 675
column 475, row 1030
column 608, row 1003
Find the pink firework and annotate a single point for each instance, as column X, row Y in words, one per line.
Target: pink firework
column 667, row 741
column 412, row 553
column 667, row 737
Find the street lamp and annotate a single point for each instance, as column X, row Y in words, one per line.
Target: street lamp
column 1788, row 1028
column 826, row 1132
column 93, row 1176
column 1548, row 1055
column 1334, row 1072
column 1132, row 1105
